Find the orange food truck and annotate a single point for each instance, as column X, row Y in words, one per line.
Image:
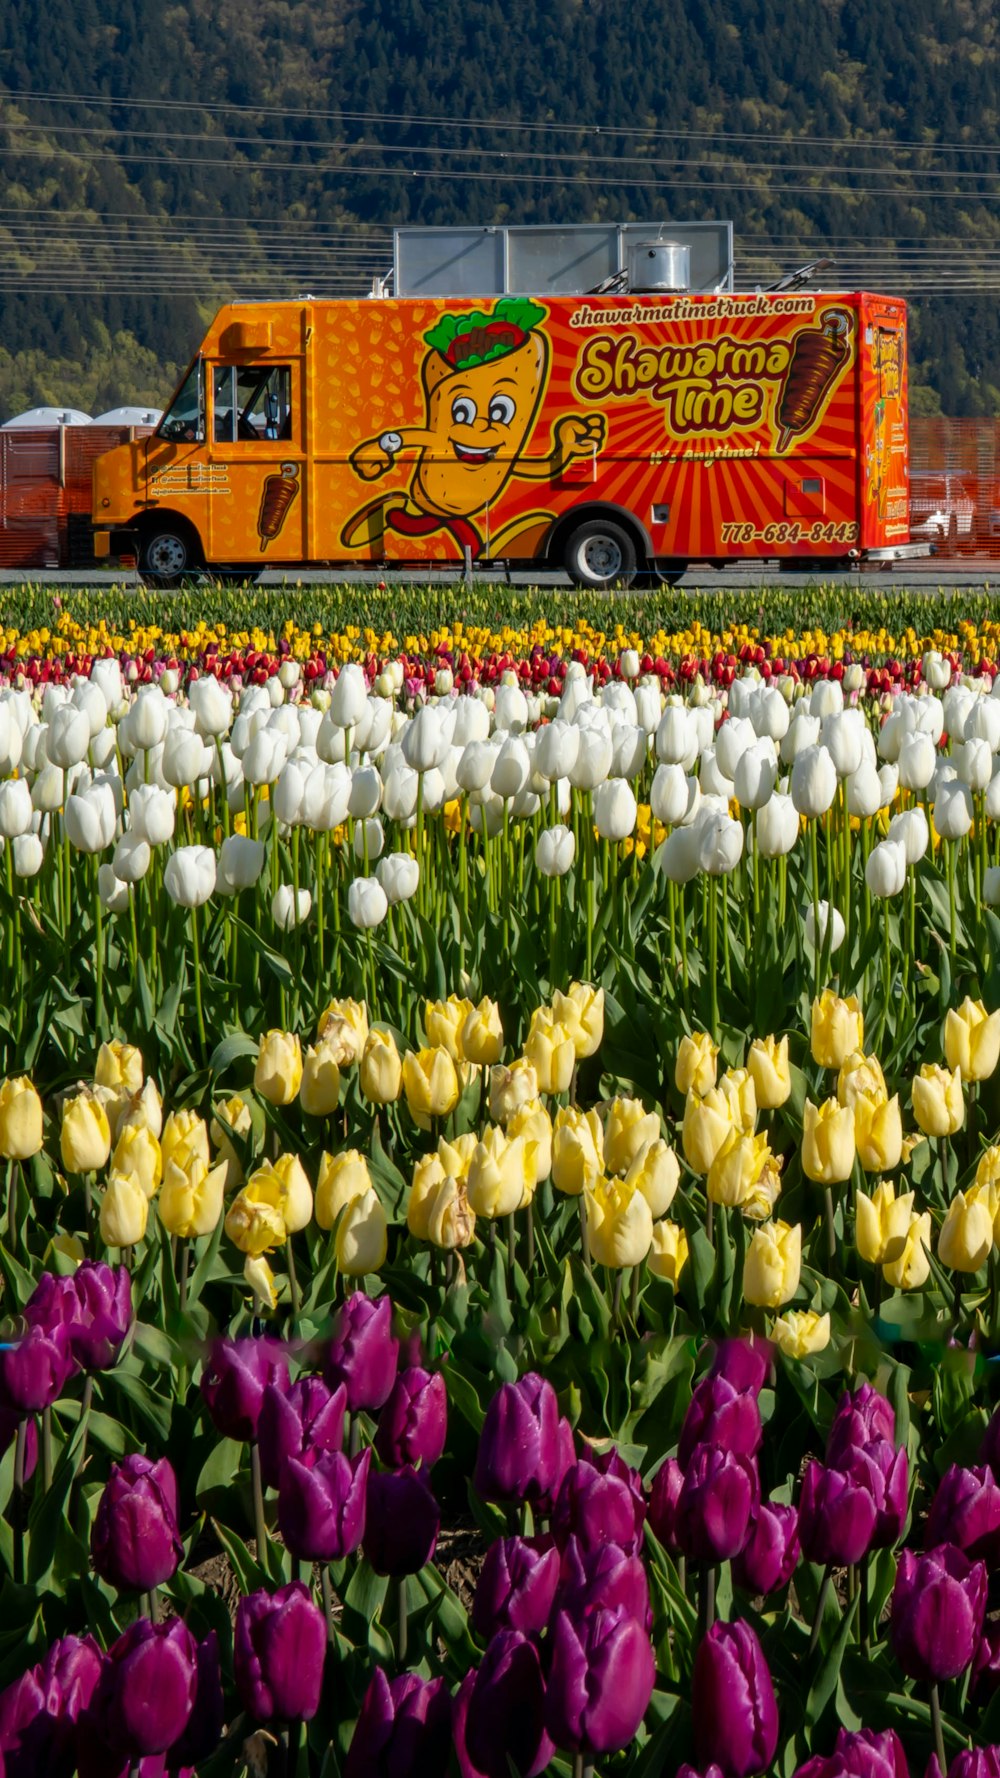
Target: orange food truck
column 606, row 434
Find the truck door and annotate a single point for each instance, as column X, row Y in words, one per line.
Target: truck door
column 258, row 464
column 885, row 501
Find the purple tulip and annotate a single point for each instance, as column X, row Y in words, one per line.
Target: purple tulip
column 605, row 1579
column 38, row 1713
column 362, row 1353
column 516, row 1586
column 938, row 1603
column 146, row 1691
column 402, row 1521
column 663, row 1497
column 34, row 1368
column 770, row 1555
column 719, row 1414
column 743, row 1363
column 104, row 1314
column 404, row 1728
column 837, row 1515
column 135, row 1541
column 976, row 1762
column 321, row 1505
column 233, row 1383
column 867, row 1754
column 860, row 1419
column 203, row 1731
column 279, row 1650
column 600, row 1501
column 965, row 1511
column 414, row 1422
column 718, row 1498
column 305, row 1417
column 693, row 1772
column 601, row 1677
column 735, row 1714
column 53, row 1303
column 519, row 1456
column 501, row 1718
column 986, row 1665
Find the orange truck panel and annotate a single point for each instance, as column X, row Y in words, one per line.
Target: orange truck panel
column 729, row 427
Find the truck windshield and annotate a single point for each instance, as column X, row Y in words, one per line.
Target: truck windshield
column 185, row 417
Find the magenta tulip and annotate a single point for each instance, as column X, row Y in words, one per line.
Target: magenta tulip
column 363, row 1353
column 136, row 1542
column 404, row 1729
column 601, row 1677
column 279, row 1651
column 735, row 1714
column 321, row 1505
column 402, row 1520
column 233, row 1383
column 718, row 1498
column 516, row 1586
column 304, row 1417
column 965, row 1511
column 414, row 1421
column 938, row 1603
column 770, row 1555
column 600, row 1501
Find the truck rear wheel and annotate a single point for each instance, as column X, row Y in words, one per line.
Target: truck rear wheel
column 165, row 556
column 600, row 554
column 668, row 571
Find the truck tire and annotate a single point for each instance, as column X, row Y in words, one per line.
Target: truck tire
column 668, row 571
column 600, row 554
column 166, row 555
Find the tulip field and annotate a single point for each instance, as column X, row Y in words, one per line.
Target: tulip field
column 500, row 1241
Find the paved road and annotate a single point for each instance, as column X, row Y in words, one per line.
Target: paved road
column 978, row 574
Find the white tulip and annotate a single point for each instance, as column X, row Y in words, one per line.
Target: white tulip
column 149, row 717
column 593, row 759
column 712, row 778
column 974, row 763
column 285, row 722
column 399, row 793
column 679, row 857
column 826, row 698
column 189, row 876
column 628, row 751
column 399, row 875
column 434, row 790
column 628, row 660
column 349, row 696
column 367, row 903
column 241, row 861
column 769, row 713
column 107, row 674
column 29, row 854
column 992, row 799
column 991, row 885
column 331, row 741
column 618, row 699
column 888, row 777
column 615, row 809
column 777, row 826
column 68, row 737
column 556, row 748
column 327, row 797
column 756, row 774
column 935, row 670
column 916, row 760
column 910, row 828
column 102, row 747
column 289, row 673
column 486, row 816
column 674, row 736
column 803, row 732
column 472, row 721
column 720, row 843
column 511, row 708
column 885, row 872
column 369, row 833
column 731, row 742
column 426, row 739
column 475, row 765
column 152, row 813
column 89, row 698
column 983, row 723
column 838, row 929
column 366, row 792
column 131, row 858
column 48, row 792
column 288, row 795
column 952, row 812
column 34, row 753
column 555, row 850
column 90, row 819
column 510, row 772
column 814, row 782
column 864, row 792
column 958, row 704
column 929, row 714
column 16, row 808
column 842, row 736
column 648, row 705
column 185, row 757
column 265, row 756
column 288, row 909
column 113, row 894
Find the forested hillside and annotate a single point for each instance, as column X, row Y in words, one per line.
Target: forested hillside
column 157, row 159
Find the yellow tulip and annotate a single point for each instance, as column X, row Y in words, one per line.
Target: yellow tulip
column 737, row 1087
column 737, row 1168
column 20, row 1119
column 988, row 1170
column 456, row 1152
column 190, row 1202
column 827, row 1142
column 801, row 1332
column 260, row 1278
column 232, row 1118
column 278, row 1074
column 912, row 1269
column 254, row 1222
column 577, row 1150
column 344, row 1025
column 144, row 1111
column 668, row 1254
column 769, row 1069
column 497, row 1174
column 124, row 1211
column 120, row 1067
column 861, row 1074
column 972, row 1040
column 882, row 1223
column 765, row 1191
column 938, row 1104
column 773, row 1263
column 361, row 1241
column 708, row 1123
column 655, row 1172
column 581, row 1011
column 430, row 1084
column 878, row 1133
column 319, row 1089
column 510, row 1088
column 70, row 1249
column 443, row 1022
column 619, row 1223
column 85, row 1138
column 342, row 1177
column 551, row 1051
column 381, row 1071
column 185, row 1131
column 296, row 1200
column 438, row 1210
column 628, row 1129
column 535, row 1125
column 695, row 1067
column 481, row 1037
column 137, row 1153
column 838, row 1028
column 966, row 1236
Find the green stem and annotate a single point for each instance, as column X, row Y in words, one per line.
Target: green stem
column 196, row 949
column 259, row 1522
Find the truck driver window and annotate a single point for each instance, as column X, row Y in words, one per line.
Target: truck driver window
column 251, row 402
column 184, row 420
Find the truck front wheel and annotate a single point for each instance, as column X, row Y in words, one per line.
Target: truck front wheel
column 165, row 556
column 599, row 555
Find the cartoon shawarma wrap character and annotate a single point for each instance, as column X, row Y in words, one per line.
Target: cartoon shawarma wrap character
column 483, row 377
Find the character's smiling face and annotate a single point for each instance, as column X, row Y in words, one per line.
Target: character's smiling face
column 481, row 418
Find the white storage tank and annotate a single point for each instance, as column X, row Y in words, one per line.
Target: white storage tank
column 42, row 417
column 130, row 416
